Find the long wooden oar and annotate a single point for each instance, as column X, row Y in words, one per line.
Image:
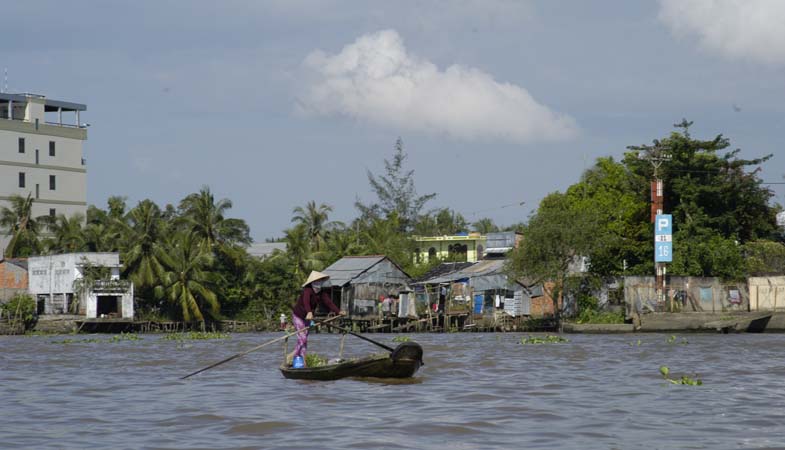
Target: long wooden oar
column 323, row 322
column 360, row 336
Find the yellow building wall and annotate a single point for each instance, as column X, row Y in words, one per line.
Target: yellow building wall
column 475, row 245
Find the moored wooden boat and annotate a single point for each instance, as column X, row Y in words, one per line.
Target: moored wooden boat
column 403, row 362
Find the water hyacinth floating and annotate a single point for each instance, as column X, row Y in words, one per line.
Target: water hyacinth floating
column 196, row 336
column 686, row 380
column 402, row 339
column 550, row 339
column 116, row 338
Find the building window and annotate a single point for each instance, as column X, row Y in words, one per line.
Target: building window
column 21, row 179
column 51, row 148
column 21, row 145
column 52, row 212
column 52, row 183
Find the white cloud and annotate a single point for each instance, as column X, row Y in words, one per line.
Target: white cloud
column 739, row 29
column 375, row 79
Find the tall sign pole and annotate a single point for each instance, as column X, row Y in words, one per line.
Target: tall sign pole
column 657, row 156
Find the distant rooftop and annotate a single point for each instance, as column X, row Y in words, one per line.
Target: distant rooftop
column 50, row 105
column 265, row 249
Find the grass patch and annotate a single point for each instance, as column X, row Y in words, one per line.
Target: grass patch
column 607, row 317
column 550, row 339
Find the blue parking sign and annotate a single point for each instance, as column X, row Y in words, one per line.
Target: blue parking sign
column 663, row 238
column 663, row 252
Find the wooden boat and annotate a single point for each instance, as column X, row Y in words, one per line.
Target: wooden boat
column 403, row 362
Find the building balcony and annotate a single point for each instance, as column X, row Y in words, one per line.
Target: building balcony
column 111, row 286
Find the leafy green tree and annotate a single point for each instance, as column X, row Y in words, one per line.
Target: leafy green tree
column 185, row 280
column 382, row 237
column 557, row 235
column 395, row 192
column 764, row 257
column 18, row 221
column 716, row 199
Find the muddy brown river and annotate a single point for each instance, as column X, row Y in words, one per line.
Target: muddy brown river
column 476, row 391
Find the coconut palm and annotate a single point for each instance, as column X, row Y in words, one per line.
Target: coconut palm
column 66, row 234
column 298, row 251
column 185, row 281
column 206, row 218
column 144, row 234
column 314, row 218
column 18, row 221
column 485, row 226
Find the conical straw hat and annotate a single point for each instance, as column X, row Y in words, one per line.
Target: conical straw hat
column 315, row 276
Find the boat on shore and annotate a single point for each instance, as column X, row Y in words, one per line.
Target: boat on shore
column 402, row 362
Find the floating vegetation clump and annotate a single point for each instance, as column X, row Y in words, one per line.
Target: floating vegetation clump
column 638, row 344
column 550, row 339
column 314, row 360
column 116, row 338
column 196, row 336
column 690, row 381
column 402, row 339
column 674, row 340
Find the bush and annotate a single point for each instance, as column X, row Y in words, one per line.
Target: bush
column 20, row 308
column 591, row 316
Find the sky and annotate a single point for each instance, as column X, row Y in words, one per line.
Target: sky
column 276, row 103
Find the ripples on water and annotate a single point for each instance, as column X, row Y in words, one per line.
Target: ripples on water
column 475, row 391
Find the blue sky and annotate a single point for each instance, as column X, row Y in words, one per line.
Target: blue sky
column 276, row 103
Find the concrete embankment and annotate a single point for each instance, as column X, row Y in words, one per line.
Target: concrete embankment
column 690, row 322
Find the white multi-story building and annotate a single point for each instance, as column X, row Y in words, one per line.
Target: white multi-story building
column 41, row 155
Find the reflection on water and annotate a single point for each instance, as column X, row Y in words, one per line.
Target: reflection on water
column 475, row 391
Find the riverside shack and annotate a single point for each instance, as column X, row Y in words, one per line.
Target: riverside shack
column 476, row 290
column 358, row 283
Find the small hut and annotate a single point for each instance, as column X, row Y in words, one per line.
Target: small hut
column 359, row 283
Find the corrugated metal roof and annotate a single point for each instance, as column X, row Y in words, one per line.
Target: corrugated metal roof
column 442, row 269
column 18, row 262
column 265, row 249
column 348, row 268
column 481, row 268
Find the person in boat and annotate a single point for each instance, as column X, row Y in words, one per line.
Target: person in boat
column 302, row 313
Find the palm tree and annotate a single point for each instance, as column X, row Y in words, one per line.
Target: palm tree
column 18, row 221
column 143, row 235
column 315, row 221
column 485, row 226
column 298, row 251
column 185, row 281
column 205, row 217
column 67, row 235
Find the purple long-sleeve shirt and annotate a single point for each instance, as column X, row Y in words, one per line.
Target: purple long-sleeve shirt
column 308, row 301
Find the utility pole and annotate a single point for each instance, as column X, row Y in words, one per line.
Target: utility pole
column 657, row 155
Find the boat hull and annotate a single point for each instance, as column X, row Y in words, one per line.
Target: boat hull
column 401, row 363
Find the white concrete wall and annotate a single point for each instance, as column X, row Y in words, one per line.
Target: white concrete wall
column 767, row 293
column 55, row 274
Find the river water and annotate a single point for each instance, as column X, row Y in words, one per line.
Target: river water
column 475, row 391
